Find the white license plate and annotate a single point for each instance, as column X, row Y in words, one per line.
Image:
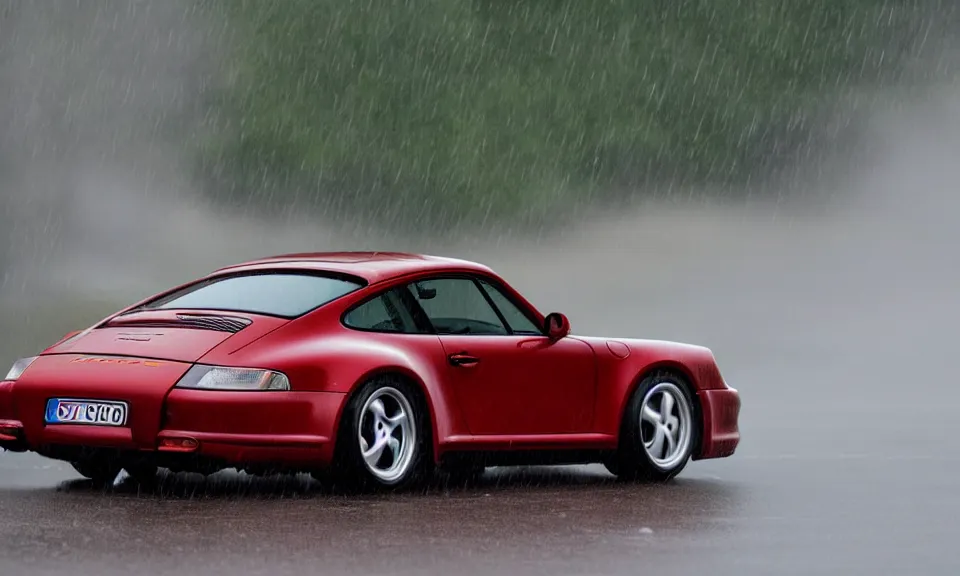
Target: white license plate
column 96, row 412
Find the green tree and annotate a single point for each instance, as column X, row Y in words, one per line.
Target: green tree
column 431, row 111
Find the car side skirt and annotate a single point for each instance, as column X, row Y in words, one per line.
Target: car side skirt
column 531, row 442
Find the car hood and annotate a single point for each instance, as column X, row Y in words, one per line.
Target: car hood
column 177, row 335
column 699, row 360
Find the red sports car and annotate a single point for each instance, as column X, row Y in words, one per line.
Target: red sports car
column 373, row 369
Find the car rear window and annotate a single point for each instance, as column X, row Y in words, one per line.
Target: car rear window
column 286, row 294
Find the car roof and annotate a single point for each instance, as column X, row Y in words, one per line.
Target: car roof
column 371, row 266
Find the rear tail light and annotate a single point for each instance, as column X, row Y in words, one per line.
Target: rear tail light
column 18, row 368
column 202, row 377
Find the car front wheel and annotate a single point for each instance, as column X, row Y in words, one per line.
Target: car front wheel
column 659, row 430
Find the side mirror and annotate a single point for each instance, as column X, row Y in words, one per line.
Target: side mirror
column 556, row 325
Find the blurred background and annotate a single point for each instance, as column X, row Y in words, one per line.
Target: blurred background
column 774, row 180
column 687, row 156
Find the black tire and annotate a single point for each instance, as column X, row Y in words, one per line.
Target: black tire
column 632, row 460
column 101, row 471
column 350, row 471
column 142, row 473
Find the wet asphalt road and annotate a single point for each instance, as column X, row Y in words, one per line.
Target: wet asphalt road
column 826, row 514
column 840, row 332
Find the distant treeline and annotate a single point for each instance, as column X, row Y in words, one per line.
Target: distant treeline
column 425, row 112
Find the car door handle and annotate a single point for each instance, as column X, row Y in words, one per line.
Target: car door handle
column 463, row 359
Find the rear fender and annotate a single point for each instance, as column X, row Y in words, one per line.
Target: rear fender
column 319, row 354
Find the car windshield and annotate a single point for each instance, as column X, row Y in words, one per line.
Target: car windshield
column 287, row 294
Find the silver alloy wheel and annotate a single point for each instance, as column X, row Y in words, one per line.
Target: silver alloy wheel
column 665, row 425
column 387, row 434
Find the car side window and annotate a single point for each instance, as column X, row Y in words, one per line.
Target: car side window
column 384, row 313
column 518, row 321
column 456, row 306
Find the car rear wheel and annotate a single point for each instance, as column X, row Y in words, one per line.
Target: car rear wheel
column 659, row 430
column 384, row 437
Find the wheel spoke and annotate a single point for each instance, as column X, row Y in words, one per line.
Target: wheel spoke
column 378, row 411
column 656, row 445
column 397, row 419
column 671, row 442
column 373, row 454
column 666, row 405
column 394, row 445
column 650, row 415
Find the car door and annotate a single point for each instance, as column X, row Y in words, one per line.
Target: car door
column 508, row 378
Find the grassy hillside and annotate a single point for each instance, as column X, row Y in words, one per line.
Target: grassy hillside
column 428, row 112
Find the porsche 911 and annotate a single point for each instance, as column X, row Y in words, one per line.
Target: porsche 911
column 369, row 369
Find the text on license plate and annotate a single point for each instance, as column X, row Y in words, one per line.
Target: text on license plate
column 98, row 412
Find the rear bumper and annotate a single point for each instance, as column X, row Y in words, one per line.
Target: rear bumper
column 257, row 427
column 721, row 432
column 298, row 451
column 215, row 428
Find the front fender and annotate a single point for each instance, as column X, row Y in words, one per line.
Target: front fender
column 620, row 375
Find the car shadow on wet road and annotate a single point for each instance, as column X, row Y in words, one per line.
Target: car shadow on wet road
column 233, row 485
